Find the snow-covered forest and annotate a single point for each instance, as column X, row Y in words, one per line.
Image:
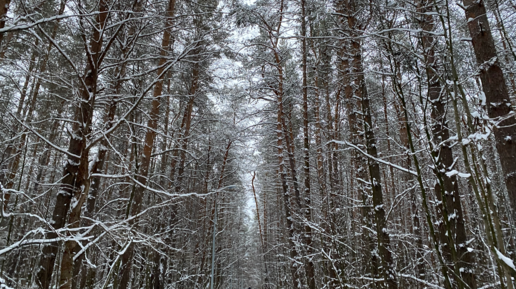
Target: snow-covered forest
column 257, row 144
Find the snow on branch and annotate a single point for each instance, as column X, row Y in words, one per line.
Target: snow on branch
column 375, row 159
column 44, row 139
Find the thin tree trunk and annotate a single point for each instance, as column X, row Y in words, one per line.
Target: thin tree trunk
column 388, row 272
column 186, row 132
column 152, row 124
column 287, row 205
column 310, row 270
column 214, row 213
column 30, row 106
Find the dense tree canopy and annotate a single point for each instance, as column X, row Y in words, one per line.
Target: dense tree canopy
column 263, row 144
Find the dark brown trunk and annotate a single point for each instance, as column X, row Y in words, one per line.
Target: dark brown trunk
column 83, row 178
column 76, row 178
column 321, row 174
column 91, row 199
column 443, row 156
column 284, row 147
column 321, row 82
column 4, row 6
column 380, row 224
column 496, row 93
column 350, row 69
column 387, row 269
column 214, row 214
column 287, row 203
column 287, row 132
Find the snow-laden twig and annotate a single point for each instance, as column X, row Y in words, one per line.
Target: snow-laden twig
column 398, row 198
column 25, row 242
column 84, row 248
column 115, row 263
column 25, row 26
column 492, row 285
column 505, row 259
column 44, row 139
column 166, row 68
column 421, row 281
column 3, row 284
column 182, row 195
column 375, row 159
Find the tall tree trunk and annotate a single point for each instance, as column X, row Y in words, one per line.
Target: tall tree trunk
column 150, row 135
column 496, row 93
column 405, row 162
column 75, row 182
column 448, row 186
column 81, row 196
column 350, row 71
column 186, row 133
column 214, row 215
column 382, row 234
column 91, row 199
column 287, row 203
column 380, row 223
column 310, row 270
column 284, row 146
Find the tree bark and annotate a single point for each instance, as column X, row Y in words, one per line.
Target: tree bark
column 84, row 180
column 447, row 189
column 309, row 269
column 4, row 6
column 496, row 93
column 387, row 269
column 75, row 182
column 150, row 135
column 287, row 203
